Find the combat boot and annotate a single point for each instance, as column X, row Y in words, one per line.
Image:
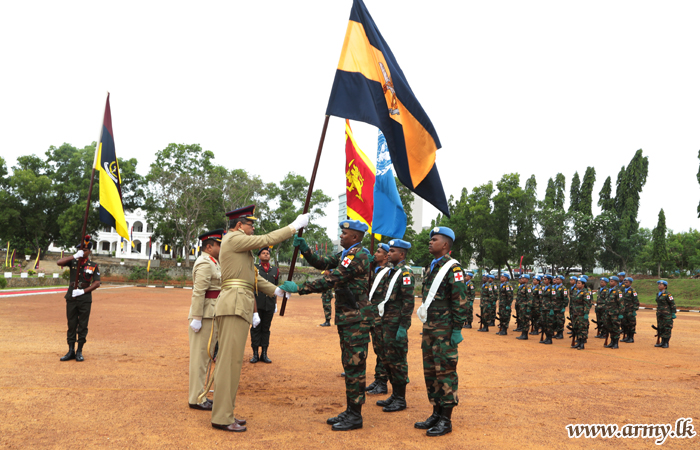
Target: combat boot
column 630, row 338
column 372, row 386
column 352, row 420
column 70, row 355
column 387, row 401
column 559, row 335
column 430, row 421
column 339, row 417
column 468, row 325
column 485, row 329
column 504, row 331
column 547, row 341
column 613, row 343
column 255, row 357
column 492, row 323
column 534, row 332
column 379, row 389
column 664, row 343
column 263, row 356
column 79, row 353
column 523, row 336
column 399, row 403
column 581, row 344
column 444, row 425
column 660, row 343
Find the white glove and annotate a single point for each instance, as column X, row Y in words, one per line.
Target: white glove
column 256, row 320
column 196, row 325
column 79, row 254
column 280, row 293
column 300, row 222
column 78, row 292
column 275, row 308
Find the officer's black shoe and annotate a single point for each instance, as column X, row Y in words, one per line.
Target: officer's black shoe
column 371, row 386
column 467, row 325
column 430, row 421
column 70, row 355
column 255, row 357
column 664, row 344
column 387, row 401
column 523, row 336
column 559, row 335
column 352, row 420
column 443, row 426
column 485, row 329
column 263, row 356
column 379, row 389
column 325, row 324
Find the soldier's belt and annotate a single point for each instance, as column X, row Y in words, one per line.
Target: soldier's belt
column 236, row 282
column 211, row 294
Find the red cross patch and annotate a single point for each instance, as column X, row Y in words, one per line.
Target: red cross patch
column 406, row 280
column 635, row 294
column 670, row 297
column 346, row 262
column 458, row 276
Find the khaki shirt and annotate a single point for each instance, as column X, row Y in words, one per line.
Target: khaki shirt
column 206, row 276
column 237, row 262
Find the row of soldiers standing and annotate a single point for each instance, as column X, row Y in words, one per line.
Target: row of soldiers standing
column 540, row 308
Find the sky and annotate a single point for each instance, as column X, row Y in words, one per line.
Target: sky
column 535, row 87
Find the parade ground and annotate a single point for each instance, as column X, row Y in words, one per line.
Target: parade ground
column 131, row 390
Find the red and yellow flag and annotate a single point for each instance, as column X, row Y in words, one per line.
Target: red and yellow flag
column 359, row 180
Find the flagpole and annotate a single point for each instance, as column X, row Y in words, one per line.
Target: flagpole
column 306, row 207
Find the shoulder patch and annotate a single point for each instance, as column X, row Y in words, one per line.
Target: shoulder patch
column 405, row 273
column 406, row 280
column 670, row 297
column 353, row 250
column 346, row 261
column 455, row 269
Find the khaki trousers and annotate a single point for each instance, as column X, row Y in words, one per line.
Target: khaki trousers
column 233, row 334
column 199, row 358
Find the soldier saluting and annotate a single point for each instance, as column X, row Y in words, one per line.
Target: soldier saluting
column 206, row 285
column 84, row 278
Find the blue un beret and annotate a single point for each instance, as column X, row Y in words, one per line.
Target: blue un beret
column 614, row 278
column 538, row 278
column 491, row 276
column 444, row 231
column 549, row 276
column 629, row 279
column 400, row 243
column 573, row 278
column 384, row 247
column 525, row 276
column 606, row 279
column 622, row 274
column 561, row 277
column 505, row 274
column 471, row 274
column 664, row 282
column 354, row 225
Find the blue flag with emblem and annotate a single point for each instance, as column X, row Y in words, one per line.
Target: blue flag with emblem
column 389, row 217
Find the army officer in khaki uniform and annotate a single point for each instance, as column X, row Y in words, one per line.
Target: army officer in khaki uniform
column 206, row 284
column 236, row 308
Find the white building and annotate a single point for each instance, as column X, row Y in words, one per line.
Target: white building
column 108, row 241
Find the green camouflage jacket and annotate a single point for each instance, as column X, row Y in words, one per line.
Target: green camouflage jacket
column 471, row 292
column 399, row 307
column 602, row 297
column 485, row 293
column 631, row 299
column 581, row 302
column 665, row 305
column 448, row 309
column 615, row 304
column 350, row 274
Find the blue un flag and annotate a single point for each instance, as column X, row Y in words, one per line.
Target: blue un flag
column 389, row 218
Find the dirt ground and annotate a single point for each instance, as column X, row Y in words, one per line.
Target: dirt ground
column 131, row 391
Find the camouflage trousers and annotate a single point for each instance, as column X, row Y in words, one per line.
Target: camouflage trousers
column 354, row 340
column 523, row 311
column 600, row 318
column 470, row 311
column 664, row 323
column 484, row 307
column 492, row 309
column 535, row 315
column 629, row 322
column 327, row 299
column 612, row 323
column 375, row 330
column 395, row 353
column 548, row 320
column 580, row 326
column 440, row 367
column 560, row 315
column 504, row 313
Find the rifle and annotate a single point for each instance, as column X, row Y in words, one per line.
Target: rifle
column 481, row 321
column 597, row 327
column 517, row 320
column 573, row 333
column 658, row 338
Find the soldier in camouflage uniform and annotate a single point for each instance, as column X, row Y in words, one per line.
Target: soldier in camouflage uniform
column 536, row 305
column 471, row 294
column 327, row 299
column 505, row 300
column 493, row 299
column 561, row 295
column 613, row 312
column 523, row 305
column 395, row 312
column 629, row 323
column 580, row 307
column 600, row 307
column 379, row 385
column 547, row 314
column 443, row 316
column 665, row 313
column 348, row 276
column 484, row 302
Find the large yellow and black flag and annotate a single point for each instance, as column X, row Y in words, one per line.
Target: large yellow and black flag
column 111, row 205
column 370, row 87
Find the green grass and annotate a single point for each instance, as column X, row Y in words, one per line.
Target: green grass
column 686, row 292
